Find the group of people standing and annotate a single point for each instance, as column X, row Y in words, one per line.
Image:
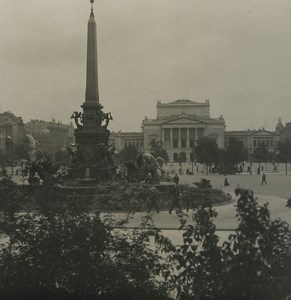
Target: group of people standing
column 176, row 196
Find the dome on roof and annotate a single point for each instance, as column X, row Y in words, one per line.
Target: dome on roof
column 279, row 126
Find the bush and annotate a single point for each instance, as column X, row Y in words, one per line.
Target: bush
column 64, row 252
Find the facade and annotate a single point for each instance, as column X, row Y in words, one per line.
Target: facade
column 122, row 139
column 253, row 139
column 180, row 124
column 285, row 132
column 12, row 132
column 50, row 136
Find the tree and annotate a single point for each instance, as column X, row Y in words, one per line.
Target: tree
column 21, row 152
column 235, row 152
column 261, row 154
column 207, row 152
column 61, row 251
column 285, row 153
column 254, row 263
column 158, row 151
column 128, row 153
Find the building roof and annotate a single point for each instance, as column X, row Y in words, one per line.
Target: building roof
column 249, row 133
column 8, row 118
column 183, row 118
column 183, row 102
column 126, row 134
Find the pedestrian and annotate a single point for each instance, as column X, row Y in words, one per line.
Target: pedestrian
column 176, row 179
column 153, row 198
column 4, row 172
column 264, row 179
column 187, row 199
column 226, row 183
column 176, row 196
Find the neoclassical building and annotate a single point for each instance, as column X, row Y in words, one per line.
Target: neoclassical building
column 180, row 124
column 253, row 139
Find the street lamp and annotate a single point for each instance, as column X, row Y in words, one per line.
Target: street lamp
column 11, row 151
column 192, row 157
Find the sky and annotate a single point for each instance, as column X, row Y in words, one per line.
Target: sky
column 236, row 53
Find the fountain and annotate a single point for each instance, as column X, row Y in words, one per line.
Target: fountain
column 92, row 157
column 92, row 161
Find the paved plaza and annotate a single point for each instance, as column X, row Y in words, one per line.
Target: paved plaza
column 275, row 193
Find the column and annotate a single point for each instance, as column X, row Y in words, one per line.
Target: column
column 163, row 136
column 187, row 141
column 171, row 138
column 196, row 135
column 179, row 138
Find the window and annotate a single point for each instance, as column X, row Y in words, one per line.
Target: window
column 183, row 137
column 192, row 137
column 167, row 137
column 175, row 137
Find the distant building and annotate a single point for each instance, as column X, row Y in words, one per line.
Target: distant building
column 122, row 139
column 180, row 124
column 253, row 139
column 285, row 133
column 50, row 136
column 12, row 132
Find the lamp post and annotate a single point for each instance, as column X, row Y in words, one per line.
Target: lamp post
column 192, row 156
column 9, row 138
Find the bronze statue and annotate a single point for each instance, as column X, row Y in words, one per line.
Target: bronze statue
column 77, row 116
column 106, row 117
column 46, row 170
column 145, row 167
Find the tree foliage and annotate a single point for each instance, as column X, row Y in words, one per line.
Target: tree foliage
column 157, row 150
column 253, row 264
column 207, row 151
column 60, row 248
column 284, row 154
column 128, row 153
column 261, row 153
column 62, row 251
column 235, row 152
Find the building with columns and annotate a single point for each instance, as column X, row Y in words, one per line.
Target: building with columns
column 121, row 140
column 253, row 139
column 180, row 124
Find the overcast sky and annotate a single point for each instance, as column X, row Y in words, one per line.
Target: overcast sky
column 236, row 53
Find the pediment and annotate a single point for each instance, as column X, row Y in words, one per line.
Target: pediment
column 263, row 133
column 183, row 120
